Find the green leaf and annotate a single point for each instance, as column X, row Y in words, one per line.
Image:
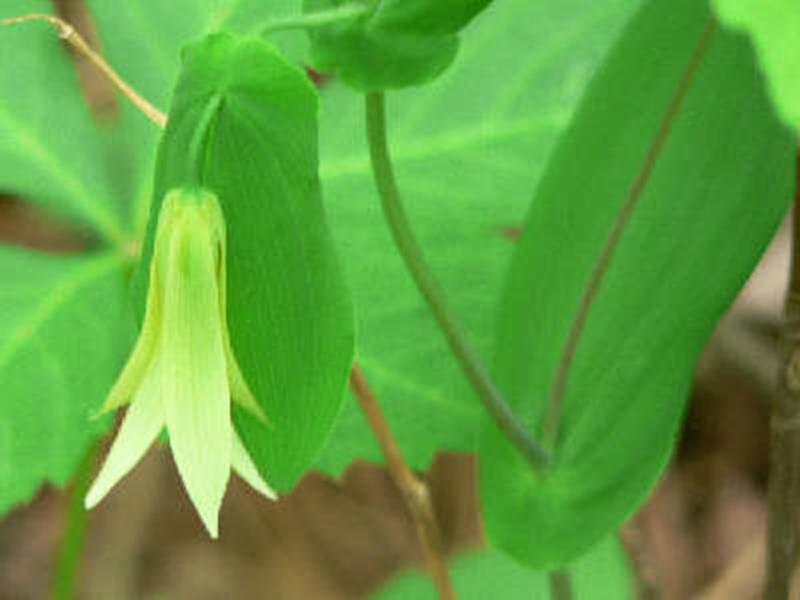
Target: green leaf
column 50, row 152
column 774, row 26
column 602, row 573
column 394, row 44
column 64, row 329
column 243, row 124
column 468, row 150
column 719, row 189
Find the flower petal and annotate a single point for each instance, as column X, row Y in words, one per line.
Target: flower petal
column 143, row 421
column 243, row 466
column 134, row 371
column 240, row 391
column 195, row 383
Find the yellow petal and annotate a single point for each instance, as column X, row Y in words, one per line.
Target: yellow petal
column 133, row 373
column 195, row 382
column 145, row 418
column 244, row 467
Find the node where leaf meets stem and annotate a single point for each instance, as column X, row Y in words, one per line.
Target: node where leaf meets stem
column 414, row 491
column 68, row 33
column 407, row 245
column 555, row 404
column 312, row 20
column 784, row 469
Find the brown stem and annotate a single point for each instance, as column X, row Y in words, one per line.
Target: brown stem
column 560, row 585
column 414, row 491
column 784, row 469
column 73, row 38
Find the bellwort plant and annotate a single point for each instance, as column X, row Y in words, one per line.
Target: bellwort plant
column 570, row 199
column 183, row 373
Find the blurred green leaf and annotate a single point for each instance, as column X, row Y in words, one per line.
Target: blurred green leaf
column 64, row 326
column 289, row 312
column 468, row 151
column 602, row 574
column 50, row 152
column 394, row 44
column 719, row 190
column 774, row 26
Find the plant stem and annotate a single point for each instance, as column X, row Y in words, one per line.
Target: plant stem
column 784, row 468
column 71, row 551
column 346, row 12
column 560, row 585
column 555, row 404
column 67, row 33
column 414, row 491
column 407, row 245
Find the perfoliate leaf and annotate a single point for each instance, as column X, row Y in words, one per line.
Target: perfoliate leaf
column 468, row 150
column 719, row 189
column 64, row 327
column 395, row 43
column 243, row 125
column 774, row 26
column 602, row 574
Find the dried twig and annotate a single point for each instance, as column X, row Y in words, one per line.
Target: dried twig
column 415, row 492
column 73, row 38
column 784, row 469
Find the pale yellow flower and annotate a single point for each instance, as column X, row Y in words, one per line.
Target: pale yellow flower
column 183, row 373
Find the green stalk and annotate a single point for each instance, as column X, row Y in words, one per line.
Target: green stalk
column 407, row 245
column 71, row 551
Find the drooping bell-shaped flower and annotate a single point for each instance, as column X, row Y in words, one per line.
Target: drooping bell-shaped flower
column 183, row 373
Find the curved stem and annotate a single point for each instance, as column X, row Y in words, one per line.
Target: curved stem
column 71, row 551
column 340, row 14
column 414, row 491
column 555, row 403
column 407, row 245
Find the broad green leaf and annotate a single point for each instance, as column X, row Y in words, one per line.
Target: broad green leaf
column 602, row 574
column 468, row 151
column 289, row 313
column 774, row 26
column 64, row 326
column 719, row 189
column 50, row 151
column 394, row 44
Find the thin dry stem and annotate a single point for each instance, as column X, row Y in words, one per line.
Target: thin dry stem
column 784, row 470
column 68, row 33
column 415, row 492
